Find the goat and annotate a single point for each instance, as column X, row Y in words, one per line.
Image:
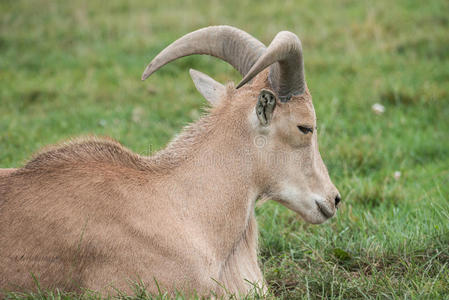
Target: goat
column 91, row 214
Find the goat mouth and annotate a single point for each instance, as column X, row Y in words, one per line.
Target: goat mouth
column 324, row 210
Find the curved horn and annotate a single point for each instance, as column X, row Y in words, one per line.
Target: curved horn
column 232, row 45
column 287, row 76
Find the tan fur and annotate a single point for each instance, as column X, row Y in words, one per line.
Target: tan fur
column 6, row 172
column 92, row 214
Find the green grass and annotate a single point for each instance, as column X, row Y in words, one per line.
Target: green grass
column 69, row 68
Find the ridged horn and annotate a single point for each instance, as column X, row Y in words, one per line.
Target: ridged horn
column 284, row 55
column 230, row 44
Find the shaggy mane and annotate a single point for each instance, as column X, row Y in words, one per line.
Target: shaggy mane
column 86, row 150
column 92, row 150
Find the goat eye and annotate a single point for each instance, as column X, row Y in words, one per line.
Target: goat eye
column 305, row 129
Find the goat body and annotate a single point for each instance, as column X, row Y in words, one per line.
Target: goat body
column 92, row 214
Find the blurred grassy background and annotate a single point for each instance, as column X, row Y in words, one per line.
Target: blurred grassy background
column 69, row 68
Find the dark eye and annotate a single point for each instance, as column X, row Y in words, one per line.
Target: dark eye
column 305, row 129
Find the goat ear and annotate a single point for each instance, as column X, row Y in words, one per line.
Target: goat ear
column 266, row 103
column 208, row 87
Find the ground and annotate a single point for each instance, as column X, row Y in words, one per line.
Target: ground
column 69, row 68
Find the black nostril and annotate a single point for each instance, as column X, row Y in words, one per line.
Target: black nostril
column 337, row 200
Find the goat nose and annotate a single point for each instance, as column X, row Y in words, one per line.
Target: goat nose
column 337, row 200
